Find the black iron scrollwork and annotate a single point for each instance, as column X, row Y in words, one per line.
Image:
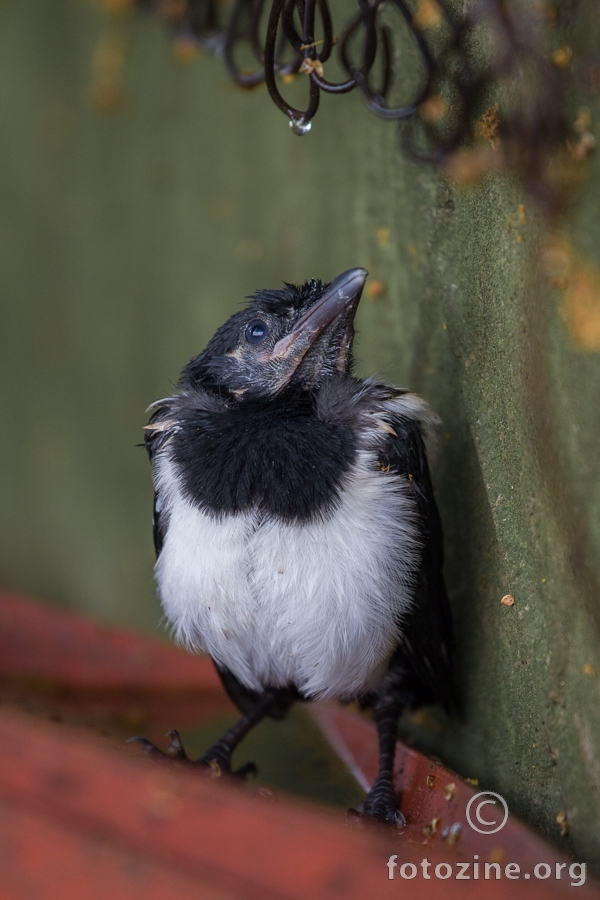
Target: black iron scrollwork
column 452, row 90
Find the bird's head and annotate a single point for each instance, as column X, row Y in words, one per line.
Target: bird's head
column 296, row 337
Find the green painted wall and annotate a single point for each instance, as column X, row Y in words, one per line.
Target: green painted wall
column 125, row 239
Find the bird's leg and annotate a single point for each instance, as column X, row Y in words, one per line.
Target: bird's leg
column 220, row 753
column 218, row 757
column 381, row 802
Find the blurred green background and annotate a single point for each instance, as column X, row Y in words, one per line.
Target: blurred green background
column 143, row 199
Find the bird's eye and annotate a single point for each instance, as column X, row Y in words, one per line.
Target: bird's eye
column 256, row 331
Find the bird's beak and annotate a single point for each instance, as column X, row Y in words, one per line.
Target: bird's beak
column 342, row 295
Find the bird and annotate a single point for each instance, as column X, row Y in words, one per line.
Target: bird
column 298, row 540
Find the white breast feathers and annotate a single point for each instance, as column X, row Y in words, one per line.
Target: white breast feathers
column 317, row 605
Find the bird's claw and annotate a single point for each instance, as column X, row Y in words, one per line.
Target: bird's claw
column 360, row 819
column 216, row 764
column 380, row 805
column 397, row 819
column 174, row 751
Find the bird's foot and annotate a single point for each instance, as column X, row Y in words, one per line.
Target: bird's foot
column 380, row 805
column 174, row 752
column 219, row 763
column 215, row 761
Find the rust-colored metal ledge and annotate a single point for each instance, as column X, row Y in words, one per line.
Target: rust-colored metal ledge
column 84, row 816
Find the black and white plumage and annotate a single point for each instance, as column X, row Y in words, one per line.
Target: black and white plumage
column 297, row 536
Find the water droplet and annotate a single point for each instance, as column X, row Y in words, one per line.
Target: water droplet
column 299, row 126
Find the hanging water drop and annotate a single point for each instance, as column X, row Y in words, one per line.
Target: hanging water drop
column 299, row 126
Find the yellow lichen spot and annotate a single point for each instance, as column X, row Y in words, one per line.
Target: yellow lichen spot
column 454, row 835
column 508, row 600
column 585, row 142
column 428, row 14
column 562, row 57
column 375, row 290
column 449, row 790
column 584, row 147
column 516, row 221
column 582, row 305
column 433, row 109
column 583, row 121
column 430, row 782
column 185, row 48
column 561, row 821
column 466, row 167
column 473, row 781
column 106, row 91
column 589, row 669
column 383, row 236
column 311, row 65
column 430, row 830
column 487, row 126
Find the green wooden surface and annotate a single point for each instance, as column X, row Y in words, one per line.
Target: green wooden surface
column 125, row 239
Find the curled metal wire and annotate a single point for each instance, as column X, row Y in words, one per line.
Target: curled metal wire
column 281, row 37
column 454, row 85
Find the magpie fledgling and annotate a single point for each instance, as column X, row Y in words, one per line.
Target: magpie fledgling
column 297, row 536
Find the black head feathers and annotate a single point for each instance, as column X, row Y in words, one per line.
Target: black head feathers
column 291, row 338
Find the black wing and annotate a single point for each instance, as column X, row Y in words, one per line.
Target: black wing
column 157, row 433
column 426, row 644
